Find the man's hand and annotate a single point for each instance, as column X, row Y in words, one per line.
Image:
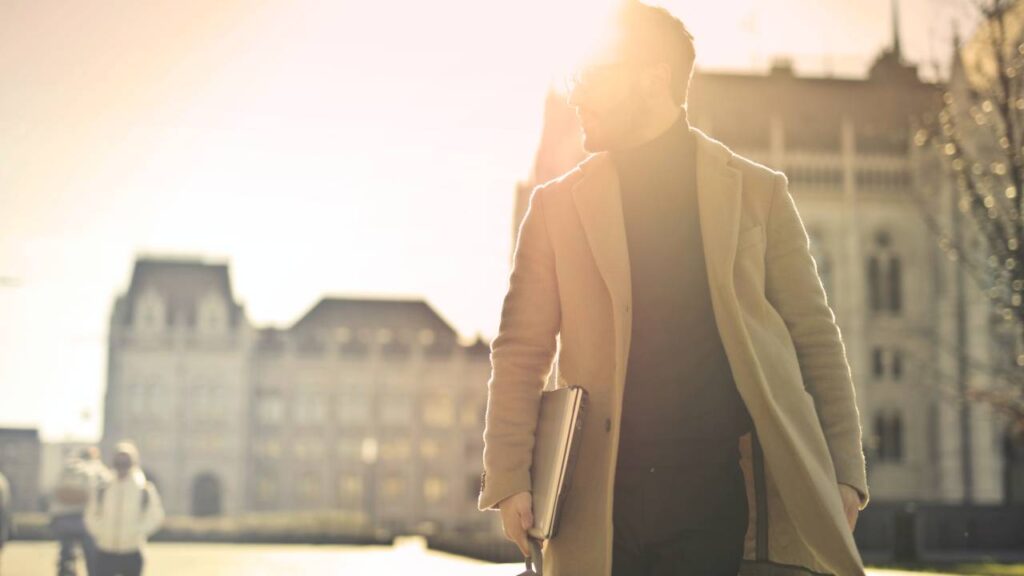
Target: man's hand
column 851, row 503
column 517, row 518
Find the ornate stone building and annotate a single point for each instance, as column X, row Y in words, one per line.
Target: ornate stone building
column 369, row 408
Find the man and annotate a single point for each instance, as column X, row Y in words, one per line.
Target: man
column 723, row 434
column 81, row 476
column 122, row 515
column 5, row 515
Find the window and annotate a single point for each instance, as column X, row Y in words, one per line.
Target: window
column 396, row 410
column 352, row 409
column 434, row 489
column 150, row 313
column 394, row 344
column 350, row 487
column 267, row 448
column 270, row 408
column 438, row 411
column 886, row 363
column 885, row 289
column 429, row 448
column 310, row 409
column 266, row 489
column 350, row 449
column 212, row 314
column 394, row 449
column 393, row 487
column 889, row 436
column 877, row 362
column 309, row 487
column 309, row 448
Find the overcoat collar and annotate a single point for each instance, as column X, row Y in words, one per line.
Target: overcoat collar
column 598, row 201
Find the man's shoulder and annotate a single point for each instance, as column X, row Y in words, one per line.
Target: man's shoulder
column 563, row 183
column 750, row 167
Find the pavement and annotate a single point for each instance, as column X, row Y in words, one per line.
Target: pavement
column 191, row 559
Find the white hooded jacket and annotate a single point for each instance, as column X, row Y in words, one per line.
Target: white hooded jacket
column 123, row 513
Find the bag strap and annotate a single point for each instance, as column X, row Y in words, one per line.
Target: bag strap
column 535, row 561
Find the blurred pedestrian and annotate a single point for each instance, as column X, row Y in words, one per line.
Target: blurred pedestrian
column 81, row 475
column 122, row 515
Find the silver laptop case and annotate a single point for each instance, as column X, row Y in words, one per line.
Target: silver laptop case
column 556, row 448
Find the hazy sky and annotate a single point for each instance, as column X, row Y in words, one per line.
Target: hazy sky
column 320, row 147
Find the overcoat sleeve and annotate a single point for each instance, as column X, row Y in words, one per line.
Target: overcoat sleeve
column 521, row 357
column 793, row 287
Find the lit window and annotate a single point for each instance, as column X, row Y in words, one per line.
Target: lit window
column 434, row 489
column 438, row 411
column 394, row 449
column 350, row 487
column 429, row 448
column 393, row 487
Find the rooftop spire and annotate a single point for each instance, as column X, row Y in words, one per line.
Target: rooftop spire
column 896, row 29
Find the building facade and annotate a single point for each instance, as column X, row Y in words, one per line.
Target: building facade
column 19, row 463
column 370, row 409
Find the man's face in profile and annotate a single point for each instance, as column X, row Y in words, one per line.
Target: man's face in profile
column 607, row 99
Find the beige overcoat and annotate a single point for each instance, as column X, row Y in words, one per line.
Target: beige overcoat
column 570, row 291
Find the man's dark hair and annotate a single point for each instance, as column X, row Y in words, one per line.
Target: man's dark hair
column 651, row 34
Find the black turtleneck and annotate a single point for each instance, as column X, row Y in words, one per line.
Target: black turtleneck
column 681, row 404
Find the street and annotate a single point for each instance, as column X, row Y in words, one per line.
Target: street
column 173, row 559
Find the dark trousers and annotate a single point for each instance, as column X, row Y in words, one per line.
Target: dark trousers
column 109, row 564
column 679, row 519
column 70, row 532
